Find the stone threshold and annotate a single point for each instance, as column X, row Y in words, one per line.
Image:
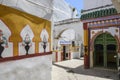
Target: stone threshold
column 106, row 69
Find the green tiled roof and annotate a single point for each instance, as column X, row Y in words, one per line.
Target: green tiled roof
column 99, row 13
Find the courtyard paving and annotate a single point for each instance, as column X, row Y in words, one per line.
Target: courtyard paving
column 74, row 70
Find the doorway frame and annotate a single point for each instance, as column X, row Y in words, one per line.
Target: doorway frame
column 91, row 46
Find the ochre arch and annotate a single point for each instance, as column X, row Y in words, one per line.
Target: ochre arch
column 59, row 35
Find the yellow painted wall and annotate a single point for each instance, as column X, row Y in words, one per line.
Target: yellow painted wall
column 85, row 37
column 86, row 41
column 16, row 20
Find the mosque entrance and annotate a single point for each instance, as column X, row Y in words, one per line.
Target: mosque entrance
column 105, row 54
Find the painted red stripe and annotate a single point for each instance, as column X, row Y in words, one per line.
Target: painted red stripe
column 24, row 56
column 56, row 56
column 85, row 26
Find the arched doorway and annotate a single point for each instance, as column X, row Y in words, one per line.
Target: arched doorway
column 65, row 42
column 105, row 54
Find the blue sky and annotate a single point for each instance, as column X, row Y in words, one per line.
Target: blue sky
column 78, row 4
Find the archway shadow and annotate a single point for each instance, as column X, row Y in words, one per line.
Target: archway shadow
column 95, row 72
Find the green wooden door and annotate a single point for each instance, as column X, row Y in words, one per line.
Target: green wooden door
column 105, row 54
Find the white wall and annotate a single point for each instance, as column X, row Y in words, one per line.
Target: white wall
column 8, row 52
column 76, row 26
column 62, row 11
column 59, row 56
column 95, row 3
column 53, row 56
column 36, row 68
column 40, row 8
column 6, row 33
column 111, row 30
column 53, row 10
column 22, row 50
column 41, row 50
column 75, row 55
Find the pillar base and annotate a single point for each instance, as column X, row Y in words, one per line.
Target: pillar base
column 56, row 56
column 86, row 62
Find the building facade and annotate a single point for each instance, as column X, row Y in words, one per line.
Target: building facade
column 68, row 39
column 101, row 35
column 65, row 24
column 25, row 33
column 62, row 11
column 25, row 40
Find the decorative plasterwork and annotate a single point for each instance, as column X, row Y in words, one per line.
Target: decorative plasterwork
column 104, row 23
column 25, row 31
column 101, row 18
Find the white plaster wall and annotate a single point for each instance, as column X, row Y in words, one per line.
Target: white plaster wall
column 59, row 56
column 36, row 68
column 41, row 47
column 27, row 31
column 10, row 3
column 55, row 43
column 8, row 52
column 53, row 10
column 75, row 55
column 53, row 56
column 40, row 8
column 111, row 30
column 95, row 31
column 62, row 10
column 22, row 50
column 76, row 26
column 95, row 3
column 91, row 59
column 6, row 33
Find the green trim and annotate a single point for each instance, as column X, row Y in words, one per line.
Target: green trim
column 106, row 39
column 99, row 13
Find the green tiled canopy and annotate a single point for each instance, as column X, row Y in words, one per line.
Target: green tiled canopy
column 99, row 13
